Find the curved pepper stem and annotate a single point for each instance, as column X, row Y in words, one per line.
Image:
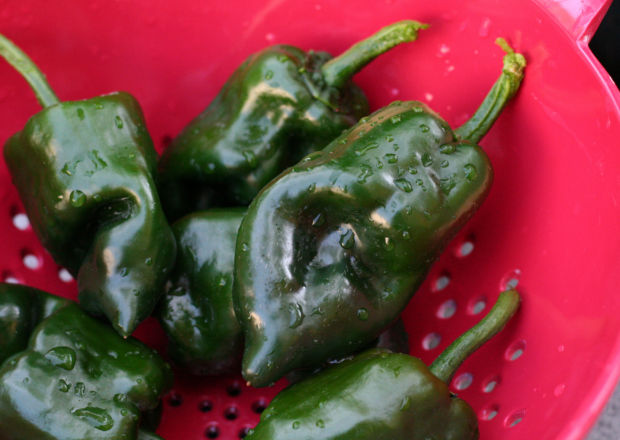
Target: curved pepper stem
column 451, row 359
column 29, row 70
column 339, row 70
column 502, row 91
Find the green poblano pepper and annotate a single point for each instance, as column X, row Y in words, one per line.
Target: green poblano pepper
column 379, row 395
column 75, row 378
column 332, row 250
column 197, row 311
column 85, row 172
column 279, row 105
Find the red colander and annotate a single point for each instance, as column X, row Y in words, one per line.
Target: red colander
column 551, row 225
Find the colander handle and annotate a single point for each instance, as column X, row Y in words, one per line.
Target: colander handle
column 580, row 18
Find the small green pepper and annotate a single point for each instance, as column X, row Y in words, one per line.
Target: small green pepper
column 85, row 172
column 331, row 251
column 76, row 379
column 279, row 105
column 197, row 311
column 379, row 395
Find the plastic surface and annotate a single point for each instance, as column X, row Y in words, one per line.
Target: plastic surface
column 550, row 222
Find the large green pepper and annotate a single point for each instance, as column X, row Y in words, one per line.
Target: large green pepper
column 197, row 311
column 75, row 379
column 332, row 250
column 85, row 172
column 279, row 105
column 379, row 395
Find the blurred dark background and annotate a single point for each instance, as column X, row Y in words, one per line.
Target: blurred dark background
column 606, row 41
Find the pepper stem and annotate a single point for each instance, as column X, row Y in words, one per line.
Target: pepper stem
column 29, row 70
column 340, row 69
column 451, row 359
column 502, row 91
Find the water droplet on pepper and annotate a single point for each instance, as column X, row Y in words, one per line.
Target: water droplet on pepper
column 77, row 198
column 471, row 173
column 427, row 159
column 347, row 240
column 96, row 417
column 297, row 315
column 63, row 386
column 118, row 122
column 403, row 184
column 63, row 357
column 362, row 314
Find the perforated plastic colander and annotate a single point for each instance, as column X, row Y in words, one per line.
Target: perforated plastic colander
column 551, row 224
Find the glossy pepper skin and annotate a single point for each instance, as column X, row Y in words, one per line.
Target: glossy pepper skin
column 77, row 379
column 21, row 309
column 85, row 173
column 379, row 395
column 332, row 250
column 197, row 311
column 279, row 105
column 394, row 339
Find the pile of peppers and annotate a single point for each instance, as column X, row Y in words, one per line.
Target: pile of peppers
column 281, row 234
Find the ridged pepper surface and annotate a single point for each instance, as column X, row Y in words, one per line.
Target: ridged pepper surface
column 330, row 252
column 197, row 310
column 85, row 172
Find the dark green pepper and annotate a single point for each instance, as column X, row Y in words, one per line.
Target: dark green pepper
column 394, row 339
column 77, row 379
column 85, row 172
column 332, row 250
column 197, row 311
column 21, row 309
column 379, row 395
column 279, row 105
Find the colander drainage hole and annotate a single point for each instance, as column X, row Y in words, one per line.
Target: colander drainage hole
column 30, row 260
column 9, row 278
column 244, row 432
column 431, row 341
column 175, row 399
column 447, row 309
column 441, row 282
column 515, row 418
column 64, row 275
column 466, row 248
column 231, row 413
column 234, row 389
column 259, row 406
column 477, row 305
column 515, row 351
column 489, row 412
column 21, row 222
column 212, row 432
column 510, row 280
column 463, row 381
column 490, row 384
column 205, row 406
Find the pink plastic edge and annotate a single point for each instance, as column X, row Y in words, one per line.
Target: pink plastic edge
column 580, row 20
